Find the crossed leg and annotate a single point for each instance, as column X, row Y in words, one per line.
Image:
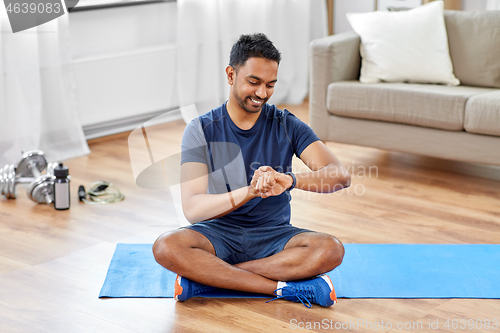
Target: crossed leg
column 192, row 255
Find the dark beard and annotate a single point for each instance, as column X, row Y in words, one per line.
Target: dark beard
column 242, row 104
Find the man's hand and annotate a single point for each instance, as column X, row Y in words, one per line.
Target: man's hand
column 267, row 182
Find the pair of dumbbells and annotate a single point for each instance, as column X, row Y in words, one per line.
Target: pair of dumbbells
column 28, row 171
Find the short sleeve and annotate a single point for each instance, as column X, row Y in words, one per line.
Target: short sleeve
column 300, row 133
column 194, row 146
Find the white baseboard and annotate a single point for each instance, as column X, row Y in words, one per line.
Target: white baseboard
column 130, row 123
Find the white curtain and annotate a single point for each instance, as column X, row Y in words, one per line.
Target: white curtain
column 207, row 29
column 38, row 108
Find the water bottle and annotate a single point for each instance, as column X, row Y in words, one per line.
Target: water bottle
column 61, row 187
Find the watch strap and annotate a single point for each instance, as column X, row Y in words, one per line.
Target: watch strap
column 294, row 181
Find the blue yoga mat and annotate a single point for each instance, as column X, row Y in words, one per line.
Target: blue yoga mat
column 368, row 271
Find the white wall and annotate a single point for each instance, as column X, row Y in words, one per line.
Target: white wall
column 124, row 62
column 473, row 4
column 341, row 7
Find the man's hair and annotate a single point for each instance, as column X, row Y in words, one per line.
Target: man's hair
column 256, row 45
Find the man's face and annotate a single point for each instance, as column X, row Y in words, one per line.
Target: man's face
column 253, row 83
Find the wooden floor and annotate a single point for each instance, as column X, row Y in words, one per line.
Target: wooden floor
column 53, row 263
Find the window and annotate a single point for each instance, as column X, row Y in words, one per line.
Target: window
column 101, row 4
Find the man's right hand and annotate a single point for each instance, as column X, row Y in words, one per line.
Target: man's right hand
column 267, row 182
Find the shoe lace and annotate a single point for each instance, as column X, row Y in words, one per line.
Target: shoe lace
column 303, row 295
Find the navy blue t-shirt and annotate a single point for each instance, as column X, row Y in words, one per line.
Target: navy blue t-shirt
column 232, row 155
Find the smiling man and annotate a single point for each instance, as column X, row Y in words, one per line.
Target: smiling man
column 235, row 185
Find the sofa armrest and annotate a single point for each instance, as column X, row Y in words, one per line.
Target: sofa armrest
column 333, row 58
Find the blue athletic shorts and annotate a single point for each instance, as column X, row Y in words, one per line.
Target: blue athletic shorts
column 235, row 244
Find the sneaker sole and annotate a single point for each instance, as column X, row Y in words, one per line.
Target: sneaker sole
column 178, row 288
column 333, row 295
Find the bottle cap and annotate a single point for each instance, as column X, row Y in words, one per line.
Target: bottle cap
column 61, row 171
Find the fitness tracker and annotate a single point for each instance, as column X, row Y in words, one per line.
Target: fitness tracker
column 294, row 181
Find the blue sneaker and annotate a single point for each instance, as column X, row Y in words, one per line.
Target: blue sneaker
column 185, row 289
column 318, row 290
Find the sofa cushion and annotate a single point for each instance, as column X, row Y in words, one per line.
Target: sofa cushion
column 426, row 105
column 474, row 40
column 404, row 46
column 482, row 114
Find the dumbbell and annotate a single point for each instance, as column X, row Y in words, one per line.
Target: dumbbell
column 41, row 188
column 32, row 163
column 7, row 181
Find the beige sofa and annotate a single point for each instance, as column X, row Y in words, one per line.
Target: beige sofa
column 459, row 123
